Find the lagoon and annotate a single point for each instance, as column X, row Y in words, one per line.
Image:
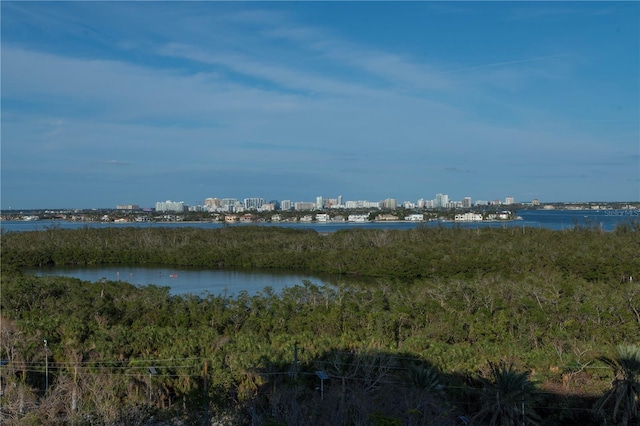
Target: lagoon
column 232, row 282
column 194, row 281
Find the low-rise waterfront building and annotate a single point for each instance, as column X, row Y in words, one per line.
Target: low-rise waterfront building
column 246, row 218
column 322, row 217
column 358, row 218
column 468, row 217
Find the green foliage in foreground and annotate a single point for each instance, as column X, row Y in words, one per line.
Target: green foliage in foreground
column 420, row 346
column 407, row 353
column 624, row 394
column 507, row 397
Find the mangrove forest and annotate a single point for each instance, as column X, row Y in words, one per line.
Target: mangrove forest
column 449, row 326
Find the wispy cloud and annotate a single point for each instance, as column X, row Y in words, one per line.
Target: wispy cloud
column 126, row 90
column 501, row 64
column 284, row 77
column 378, row 66
column 117, row 163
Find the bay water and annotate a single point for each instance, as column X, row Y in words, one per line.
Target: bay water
column 231, row 282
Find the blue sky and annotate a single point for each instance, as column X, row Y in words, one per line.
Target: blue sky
column 112, row 103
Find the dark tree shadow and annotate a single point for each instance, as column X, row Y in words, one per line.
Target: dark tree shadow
column 343, row 387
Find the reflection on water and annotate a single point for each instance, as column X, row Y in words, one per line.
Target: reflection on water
column 193, row 281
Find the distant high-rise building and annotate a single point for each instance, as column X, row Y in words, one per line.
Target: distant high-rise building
column 363, row 204
column 170, row 206
column 339, row 200
column 319, row 202
column 390, row 203
column 442, row 201
column 330, row 202
column 509, row 200
column 352, row 204
column 285, row 205
column 231, row 205
column 466, row 202
column 304, row 205
column 268, row 207
column 276, row 204
column 253, row 203
column 128, row 207
column 212, row 204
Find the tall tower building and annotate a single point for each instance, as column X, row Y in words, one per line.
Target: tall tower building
column 285, row 205
column 253, row 203
column 390, row 203
column 212, row 203
column 442, row 201
column 438, row 200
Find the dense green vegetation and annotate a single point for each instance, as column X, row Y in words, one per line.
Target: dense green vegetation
column 456, row 318
column 418, row 253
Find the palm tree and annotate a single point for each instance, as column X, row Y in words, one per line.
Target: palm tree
column 425, row 379
column 425, row 395
column 507, row 397
column 625, row 387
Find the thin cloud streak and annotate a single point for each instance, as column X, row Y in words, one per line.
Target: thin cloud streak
column 390, row 67
column 500, row 64
column 284, row 77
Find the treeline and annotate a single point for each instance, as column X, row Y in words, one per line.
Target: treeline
column 423, row 252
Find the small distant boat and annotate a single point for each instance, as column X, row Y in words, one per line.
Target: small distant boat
column 173, row 275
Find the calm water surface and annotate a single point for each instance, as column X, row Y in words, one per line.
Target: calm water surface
column 550, row 219
column 231, row 283
column 191, row 281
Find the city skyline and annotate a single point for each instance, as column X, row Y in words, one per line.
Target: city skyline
column 105, row 103
column 321, row 202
